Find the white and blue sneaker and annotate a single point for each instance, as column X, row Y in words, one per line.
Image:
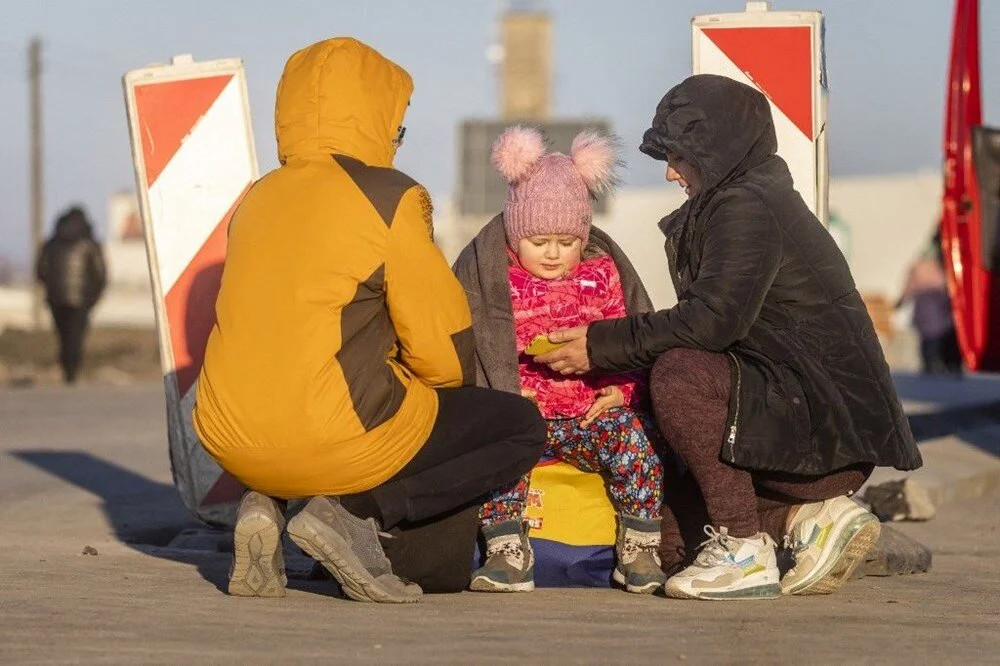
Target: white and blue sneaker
column 729, row 568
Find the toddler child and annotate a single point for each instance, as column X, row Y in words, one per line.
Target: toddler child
column 596, row 424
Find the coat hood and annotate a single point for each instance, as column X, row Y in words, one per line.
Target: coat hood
column 73, row 226
column 721, row 126
column 341, row 96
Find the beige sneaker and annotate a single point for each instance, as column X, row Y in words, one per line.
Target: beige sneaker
column 258, row 568
column 349, row 548
column 830, row 539
column 729, row 568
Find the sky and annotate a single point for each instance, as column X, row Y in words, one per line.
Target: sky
column 886, row 60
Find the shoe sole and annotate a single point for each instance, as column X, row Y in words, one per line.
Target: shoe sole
column 648, row 588
column 759, row 588
column 329, row 548
column 258, row 564
column 858, row 537
column 756, row 593
column 484, row 584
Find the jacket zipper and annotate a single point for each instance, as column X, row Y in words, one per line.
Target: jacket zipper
column 733, row 427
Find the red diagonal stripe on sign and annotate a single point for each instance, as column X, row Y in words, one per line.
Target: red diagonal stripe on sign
column 225, row 489
column 167, row 112
column 190, row 303
column 779, row 61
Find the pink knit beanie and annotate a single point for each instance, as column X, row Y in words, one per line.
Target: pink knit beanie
column 550, row 193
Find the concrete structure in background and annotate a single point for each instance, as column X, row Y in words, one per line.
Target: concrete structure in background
column 481, row 189
column 125, row 248
column 524, row 58
column 526, row 79
column 890, row 218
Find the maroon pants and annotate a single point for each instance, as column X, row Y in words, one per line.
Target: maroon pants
column 690, row 393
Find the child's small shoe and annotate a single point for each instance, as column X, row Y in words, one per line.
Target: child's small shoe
column 638, row 562
column 729, row 567
column 510, row 562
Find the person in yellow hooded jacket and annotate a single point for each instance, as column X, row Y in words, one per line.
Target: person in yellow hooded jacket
column 341, row 367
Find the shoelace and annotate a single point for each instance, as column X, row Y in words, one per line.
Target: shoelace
column 715, row 548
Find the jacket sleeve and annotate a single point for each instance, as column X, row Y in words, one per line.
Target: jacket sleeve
column 426, row 302
column 740, row 256
column 613, row 307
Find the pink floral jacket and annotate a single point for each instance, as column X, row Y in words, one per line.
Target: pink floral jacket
column 591, row 292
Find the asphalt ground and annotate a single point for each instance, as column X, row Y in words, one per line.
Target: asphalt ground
column 87, row 469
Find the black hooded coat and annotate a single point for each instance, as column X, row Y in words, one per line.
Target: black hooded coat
column 71, row 265
column 759, row 278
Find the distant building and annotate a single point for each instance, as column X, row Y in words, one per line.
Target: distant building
column 525, row 77
column 125, row 247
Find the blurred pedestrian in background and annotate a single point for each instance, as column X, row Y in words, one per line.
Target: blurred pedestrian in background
column 927, row 289
column 71, row 267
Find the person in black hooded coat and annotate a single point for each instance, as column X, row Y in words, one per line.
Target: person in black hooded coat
column 768, row 378
column 72, row 270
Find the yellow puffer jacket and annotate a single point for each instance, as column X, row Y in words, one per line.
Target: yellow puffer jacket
column 338, row 315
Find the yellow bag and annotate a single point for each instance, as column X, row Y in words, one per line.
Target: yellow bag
column 572, row 526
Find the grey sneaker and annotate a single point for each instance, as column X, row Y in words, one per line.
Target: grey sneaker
column 258, row 568
column 638, row 562
column 350, row 550
column 831, row 539
column 510, row 562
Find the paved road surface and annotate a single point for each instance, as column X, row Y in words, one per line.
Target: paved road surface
column 88, row 467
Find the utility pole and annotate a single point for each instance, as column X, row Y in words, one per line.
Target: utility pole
column 35, row 113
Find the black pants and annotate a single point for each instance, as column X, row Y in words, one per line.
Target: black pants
column 941, row 355
column 71, row 325
column 481, row 440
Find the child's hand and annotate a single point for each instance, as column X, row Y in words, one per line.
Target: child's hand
column 530, row 395
column 607, row 398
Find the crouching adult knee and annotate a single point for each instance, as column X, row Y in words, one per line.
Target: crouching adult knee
column 530, row 436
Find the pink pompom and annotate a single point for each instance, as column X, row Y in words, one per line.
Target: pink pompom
column 517, row 151
column 594, row 156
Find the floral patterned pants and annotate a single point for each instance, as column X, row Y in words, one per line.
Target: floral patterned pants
column 616, row 444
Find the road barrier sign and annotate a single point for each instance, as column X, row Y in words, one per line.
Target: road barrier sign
column 194, row 156
column 780, row 54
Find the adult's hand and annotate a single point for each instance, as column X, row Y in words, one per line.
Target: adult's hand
column 571, row 358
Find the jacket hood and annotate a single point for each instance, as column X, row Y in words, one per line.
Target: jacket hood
column 341, row 96
column 721, row 126
column 73, row 225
